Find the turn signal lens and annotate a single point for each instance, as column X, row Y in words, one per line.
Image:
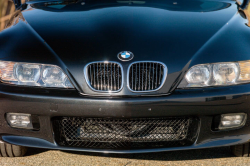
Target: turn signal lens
column 244, row 71
column 6, row 71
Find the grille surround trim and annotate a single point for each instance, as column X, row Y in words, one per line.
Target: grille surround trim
column 147, row 91
column 85, row 71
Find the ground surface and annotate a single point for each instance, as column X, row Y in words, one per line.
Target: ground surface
column 211, row 157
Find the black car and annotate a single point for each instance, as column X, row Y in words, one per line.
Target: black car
column 125, row 76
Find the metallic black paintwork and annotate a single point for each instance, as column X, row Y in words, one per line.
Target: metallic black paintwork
column 180, row 36
column 204, row 104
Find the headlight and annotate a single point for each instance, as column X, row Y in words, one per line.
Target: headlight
column 217, row 74
column 33, row 75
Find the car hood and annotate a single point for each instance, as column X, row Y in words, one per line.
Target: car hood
column 165, row 31
column 99, row 30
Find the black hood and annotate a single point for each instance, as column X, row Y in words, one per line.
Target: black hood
column 166, row 31
column 152, row 30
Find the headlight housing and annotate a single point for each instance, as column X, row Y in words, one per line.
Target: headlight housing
column 30, row 74
column 217, row 74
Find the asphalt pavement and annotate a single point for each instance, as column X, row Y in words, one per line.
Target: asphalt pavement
column 210, row 157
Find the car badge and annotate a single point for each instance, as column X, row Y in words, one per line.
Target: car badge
column 125, row 56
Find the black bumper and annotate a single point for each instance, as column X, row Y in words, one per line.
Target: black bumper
column 202, row 104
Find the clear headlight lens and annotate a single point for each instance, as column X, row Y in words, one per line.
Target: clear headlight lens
column 53, row 76
column 226, row 73
column 27, row 72
column 217, row 74
column 199, row 75
column 33, row 75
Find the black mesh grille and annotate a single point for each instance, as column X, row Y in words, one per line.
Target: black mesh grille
column 146, row 76
column 104, row 76
column 124, row 133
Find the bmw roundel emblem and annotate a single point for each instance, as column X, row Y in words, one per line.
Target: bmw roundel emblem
column 125, row 56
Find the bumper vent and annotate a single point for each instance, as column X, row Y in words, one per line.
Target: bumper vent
column 105, row 77
column 124, row 133
column 146, row 76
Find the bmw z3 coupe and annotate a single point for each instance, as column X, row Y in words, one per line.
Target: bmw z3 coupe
column 124, row 76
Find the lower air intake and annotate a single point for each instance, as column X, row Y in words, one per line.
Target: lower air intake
column 124, row 133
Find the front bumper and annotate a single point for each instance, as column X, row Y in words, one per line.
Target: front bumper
column 201, row 103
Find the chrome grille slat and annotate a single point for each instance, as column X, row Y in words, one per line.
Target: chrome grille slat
column 97, row 78
column 107, row 77
column 149, row 75
column 139, row 78
column 90, row 74
column 155, row 75
column 142, row 77
column 132, row 76
column 94, row 76
column 114, row 78
column 111, row 77
column 101, row 77
column 160, row 74
column 104, row 87
column 146, row 77
column 118, row 74
column 136, row 76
